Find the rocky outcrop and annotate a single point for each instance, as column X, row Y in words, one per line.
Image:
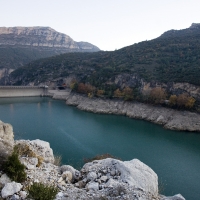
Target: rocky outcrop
column 109, row 173
column 169, row 118
column 6, row 141
column 35, row 149
column 41, row 37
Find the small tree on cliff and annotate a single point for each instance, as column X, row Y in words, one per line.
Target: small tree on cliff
column 184, row 100
column 128, row 93
column 157, row 95
column 173, row 100
column 118, row 93
column 100, row 93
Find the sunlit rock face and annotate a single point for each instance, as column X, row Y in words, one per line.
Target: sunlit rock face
column 41, row 37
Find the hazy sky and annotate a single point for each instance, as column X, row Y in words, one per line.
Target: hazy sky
column 108, row 24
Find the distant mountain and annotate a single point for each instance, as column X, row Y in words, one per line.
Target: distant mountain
column 172, row 58
column 20, row 45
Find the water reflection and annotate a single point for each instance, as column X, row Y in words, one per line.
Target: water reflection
column 38, row 106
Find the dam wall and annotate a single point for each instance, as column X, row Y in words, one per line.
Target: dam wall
column 22, row 91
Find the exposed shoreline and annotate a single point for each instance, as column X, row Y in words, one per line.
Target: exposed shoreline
column 168, row 118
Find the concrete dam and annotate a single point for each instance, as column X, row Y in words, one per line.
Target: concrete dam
column 23, row 91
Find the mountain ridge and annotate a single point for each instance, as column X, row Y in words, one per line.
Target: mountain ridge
column 40, row 36
column 21, row 45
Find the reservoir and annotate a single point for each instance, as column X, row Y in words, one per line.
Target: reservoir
column 75, row 134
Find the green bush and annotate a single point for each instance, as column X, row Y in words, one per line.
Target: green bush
column 14, row 169
column 40, row 191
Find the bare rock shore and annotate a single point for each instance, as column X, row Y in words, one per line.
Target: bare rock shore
column 168, row 118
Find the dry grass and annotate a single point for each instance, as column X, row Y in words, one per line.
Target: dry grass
column 100, row 157
column 26, row 151
column 57, row 160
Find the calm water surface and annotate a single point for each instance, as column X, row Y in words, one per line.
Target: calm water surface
column 75, row 134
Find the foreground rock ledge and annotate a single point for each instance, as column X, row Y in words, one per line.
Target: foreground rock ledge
column 100, row 179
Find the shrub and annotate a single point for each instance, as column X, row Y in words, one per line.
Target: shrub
column 173, row 100
column 157, row 95
column 40, row 191
column 14, row 169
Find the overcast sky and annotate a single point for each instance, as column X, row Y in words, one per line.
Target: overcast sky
column 108, row 24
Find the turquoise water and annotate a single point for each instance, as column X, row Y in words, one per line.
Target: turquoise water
column 75, row 134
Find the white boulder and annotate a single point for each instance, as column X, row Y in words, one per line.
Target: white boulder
column 30, row 163
column 92, row 186
column 23, row 194
column 67, row 176
column 75, row 173
column 3, row 180
column 91, row 176
column 10, row 188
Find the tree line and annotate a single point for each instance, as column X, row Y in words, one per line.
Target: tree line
column 156, row 96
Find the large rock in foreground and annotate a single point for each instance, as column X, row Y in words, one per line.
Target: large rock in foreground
column 6, row 140
column 109, row 173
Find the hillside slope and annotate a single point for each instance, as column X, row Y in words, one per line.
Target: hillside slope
column 170, row 57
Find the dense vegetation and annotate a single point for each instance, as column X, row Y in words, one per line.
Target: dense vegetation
column 14, row 169
column 17, row 56
column 171, row 57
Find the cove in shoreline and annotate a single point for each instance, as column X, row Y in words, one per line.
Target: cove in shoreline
column 168, row 118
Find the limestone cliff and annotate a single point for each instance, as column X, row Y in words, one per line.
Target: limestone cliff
column 41, row 37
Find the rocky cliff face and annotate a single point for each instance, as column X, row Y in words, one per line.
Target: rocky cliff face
column 131, row 80
column 41, row 37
